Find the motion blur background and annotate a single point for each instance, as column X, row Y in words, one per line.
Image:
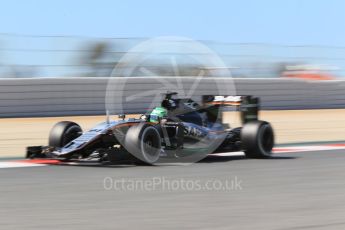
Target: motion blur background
column 25, row 56
column 255, row 38
column 56, row 57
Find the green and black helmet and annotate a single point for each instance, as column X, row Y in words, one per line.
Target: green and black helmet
column 157, row 114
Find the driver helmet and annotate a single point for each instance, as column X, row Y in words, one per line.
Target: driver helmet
column 157, row 114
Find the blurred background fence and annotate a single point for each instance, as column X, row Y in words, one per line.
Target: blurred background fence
column 66, row 56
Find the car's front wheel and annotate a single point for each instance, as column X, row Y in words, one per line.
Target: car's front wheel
column 63, row 132
column 144, row 142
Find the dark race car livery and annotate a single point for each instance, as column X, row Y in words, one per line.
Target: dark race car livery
column 179, row 128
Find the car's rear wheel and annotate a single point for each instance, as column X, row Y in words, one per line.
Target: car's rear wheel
column 63, row 132
column 144, row 142
column 257, row 138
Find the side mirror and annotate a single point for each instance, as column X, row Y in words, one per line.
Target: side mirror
column 122, row 116
column 145, row 117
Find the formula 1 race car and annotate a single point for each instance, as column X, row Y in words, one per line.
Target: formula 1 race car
column 177, row 129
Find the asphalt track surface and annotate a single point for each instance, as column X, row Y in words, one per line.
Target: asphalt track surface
column 301, row 190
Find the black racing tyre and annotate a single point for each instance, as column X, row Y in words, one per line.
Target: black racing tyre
column 257, row 138
column 63, row 132
column 144, row 142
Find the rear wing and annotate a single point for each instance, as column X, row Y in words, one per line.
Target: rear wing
column 248, row 105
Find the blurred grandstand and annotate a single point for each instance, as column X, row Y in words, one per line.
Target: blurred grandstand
column 23, row 56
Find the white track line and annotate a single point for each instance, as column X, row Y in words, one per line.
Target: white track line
column 229, row 154
column 13, row 164
column 292, row 149
column 289, row 149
